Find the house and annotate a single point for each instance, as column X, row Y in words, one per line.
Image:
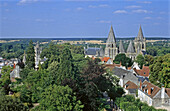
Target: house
column 124, row 76
column 153, row 95
column 130, row 88
column 15, row 73
column 144, row 72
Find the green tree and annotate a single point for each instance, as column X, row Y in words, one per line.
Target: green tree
column 30, row 59
column 125, row 61
column 5, row 78
column 140, row 60
column 66, row 69
column 148, row 60
column 8, row 103
column 59, row 98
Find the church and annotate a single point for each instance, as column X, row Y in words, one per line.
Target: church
column 111, row 50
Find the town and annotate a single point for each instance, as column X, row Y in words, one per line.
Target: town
column 122, row 77
column 84, row 55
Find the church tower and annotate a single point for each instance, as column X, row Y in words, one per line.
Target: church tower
column 111, row 49
column 24, row 58
column 37, row 55
column 131, row 51
column 140, row 42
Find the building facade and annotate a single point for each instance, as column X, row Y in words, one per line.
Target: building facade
column 111, row 50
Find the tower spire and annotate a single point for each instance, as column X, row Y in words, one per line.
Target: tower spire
column 140, row 34
column 130, row 48
column 121, row 48
column 111, row 37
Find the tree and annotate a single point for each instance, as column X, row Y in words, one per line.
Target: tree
column 140, row 60
column 30, row 59
column 8, row 103
column 126, row 61
column 59, row 98
column 66, row 69
column 160, row 71
column 5, row 78
column 148, row 60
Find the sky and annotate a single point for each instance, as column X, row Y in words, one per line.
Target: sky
column 83, row 18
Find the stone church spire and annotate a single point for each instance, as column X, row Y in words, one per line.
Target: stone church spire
column 130, row 48
column 140, row 34
column 111, row 49
column 121, row 48
column 24, row 58
column 111, row 37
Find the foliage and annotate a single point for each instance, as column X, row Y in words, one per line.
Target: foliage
column 125, row 61
column 160, row 71
column 129, row 103
column 140, row 60
column 8, row 103
column 30, row 60
column 5, row 78
column 59, row 98
column 148, row 60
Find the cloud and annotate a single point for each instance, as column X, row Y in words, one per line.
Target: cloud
column 141, row 11
column 99, row 6
column 145, row 2
column 104, row 21
column 79, row 8
column 44, row 20
column 162, row 13
column 133, row 6
column 21, row 2
column 147, row 18
column 120, row 11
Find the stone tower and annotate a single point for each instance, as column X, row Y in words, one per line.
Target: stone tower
column 131, row 51
column 121, row 48
column 111, row 49
column 37, row 55
column 140, row 42
column 24, row 58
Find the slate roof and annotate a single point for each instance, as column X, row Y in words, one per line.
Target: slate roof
column 142, row 79
column 120, row 72
column 130, row 48
column 121, row 48
column 140, row 34
column 112, row 66
column 111, row 37
column 92, row 51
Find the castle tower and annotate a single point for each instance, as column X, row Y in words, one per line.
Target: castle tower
column 131, row 51
column 140, row 42
column 24, row 58
column 121, row 48
column 111, row 49
column 37, row 55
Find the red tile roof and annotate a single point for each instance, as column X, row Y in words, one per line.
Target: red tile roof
column 143, row 72
column 130, row 85
column 105, row 59
column 148, row 87
column 167, row 91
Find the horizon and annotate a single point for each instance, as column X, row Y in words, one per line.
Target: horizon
column 83, row 18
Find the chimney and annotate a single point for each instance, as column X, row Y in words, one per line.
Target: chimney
column 163, row 92
column 149, row 91
column 140, row 84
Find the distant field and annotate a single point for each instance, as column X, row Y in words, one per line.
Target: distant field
column 5, row 41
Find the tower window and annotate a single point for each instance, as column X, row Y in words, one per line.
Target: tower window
column 112, row 45
column 142, row 46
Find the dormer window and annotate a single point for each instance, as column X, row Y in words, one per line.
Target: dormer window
column 152, row 90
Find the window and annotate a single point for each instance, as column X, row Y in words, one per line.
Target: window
column 144, row 73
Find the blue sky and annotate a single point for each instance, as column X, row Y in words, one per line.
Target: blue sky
column 83, row 18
